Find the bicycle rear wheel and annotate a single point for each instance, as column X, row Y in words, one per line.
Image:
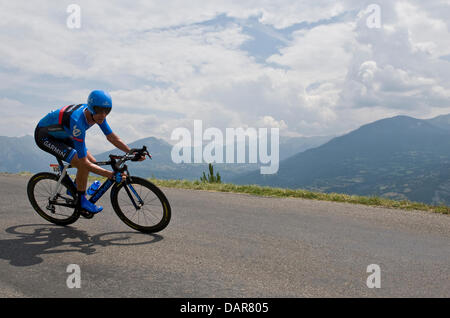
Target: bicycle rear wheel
column 56, row 207
column 141, row 205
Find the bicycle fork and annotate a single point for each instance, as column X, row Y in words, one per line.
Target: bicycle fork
column 140, row 202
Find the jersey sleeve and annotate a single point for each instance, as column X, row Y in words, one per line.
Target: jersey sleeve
column 105, row 128
column 80, row 147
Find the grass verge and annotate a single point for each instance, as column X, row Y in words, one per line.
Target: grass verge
column 304, row 194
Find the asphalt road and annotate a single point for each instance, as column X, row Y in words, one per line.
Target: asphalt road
column 225, row 245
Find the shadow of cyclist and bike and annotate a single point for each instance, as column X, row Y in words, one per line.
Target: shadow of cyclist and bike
column 35, row 240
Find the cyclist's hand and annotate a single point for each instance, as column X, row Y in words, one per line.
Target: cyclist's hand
column 138, row 157
column 119, row 176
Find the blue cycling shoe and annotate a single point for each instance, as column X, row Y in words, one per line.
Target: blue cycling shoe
column 89, row 206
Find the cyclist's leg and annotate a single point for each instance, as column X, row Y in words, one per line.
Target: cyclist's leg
column 82, row 173
column 82, row 179
column 60, row 148
column 64, row 150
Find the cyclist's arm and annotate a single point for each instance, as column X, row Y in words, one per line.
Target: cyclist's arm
column 117, row 142
column 86, row 161
column 84, row 156
column 90, row 157
column 92, row 167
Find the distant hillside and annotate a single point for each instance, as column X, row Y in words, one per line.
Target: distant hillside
column 290, row 146
column 442, row 121
column 162, row 166
column 400, row 157
column 21, row 154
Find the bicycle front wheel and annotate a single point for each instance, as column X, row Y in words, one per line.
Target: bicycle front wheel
column 141, row 205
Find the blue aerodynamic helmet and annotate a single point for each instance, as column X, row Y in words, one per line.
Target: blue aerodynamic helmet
column 100, row 99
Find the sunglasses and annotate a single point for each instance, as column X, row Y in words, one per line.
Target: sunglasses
column 100, row 110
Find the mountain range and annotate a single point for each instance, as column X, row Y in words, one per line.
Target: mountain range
column 21, row 154
column 400, row 158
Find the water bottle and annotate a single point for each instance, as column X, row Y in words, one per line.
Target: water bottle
column 93, row 187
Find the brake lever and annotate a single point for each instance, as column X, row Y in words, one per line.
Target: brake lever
column 146, row 153
column 138, row 153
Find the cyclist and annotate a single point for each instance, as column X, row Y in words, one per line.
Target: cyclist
column 62, row 133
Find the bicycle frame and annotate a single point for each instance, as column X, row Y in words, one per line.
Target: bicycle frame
column 63, row 168
column 101, row 190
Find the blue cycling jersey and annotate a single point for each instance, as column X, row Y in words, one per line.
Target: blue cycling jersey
column 61, row 126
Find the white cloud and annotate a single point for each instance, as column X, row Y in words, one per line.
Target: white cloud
column 168, row 63
column 396, row 69
column 270, row 122
column 320, row 54
column 15, row 118
column 426, row 33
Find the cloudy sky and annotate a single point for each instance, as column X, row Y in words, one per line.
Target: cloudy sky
column 307, row 67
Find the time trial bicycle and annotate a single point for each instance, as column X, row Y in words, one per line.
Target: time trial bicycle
column 137, row 202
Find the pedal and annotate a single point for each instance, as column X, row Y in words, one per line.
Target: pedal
column 86, row 214
column 83, row 212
